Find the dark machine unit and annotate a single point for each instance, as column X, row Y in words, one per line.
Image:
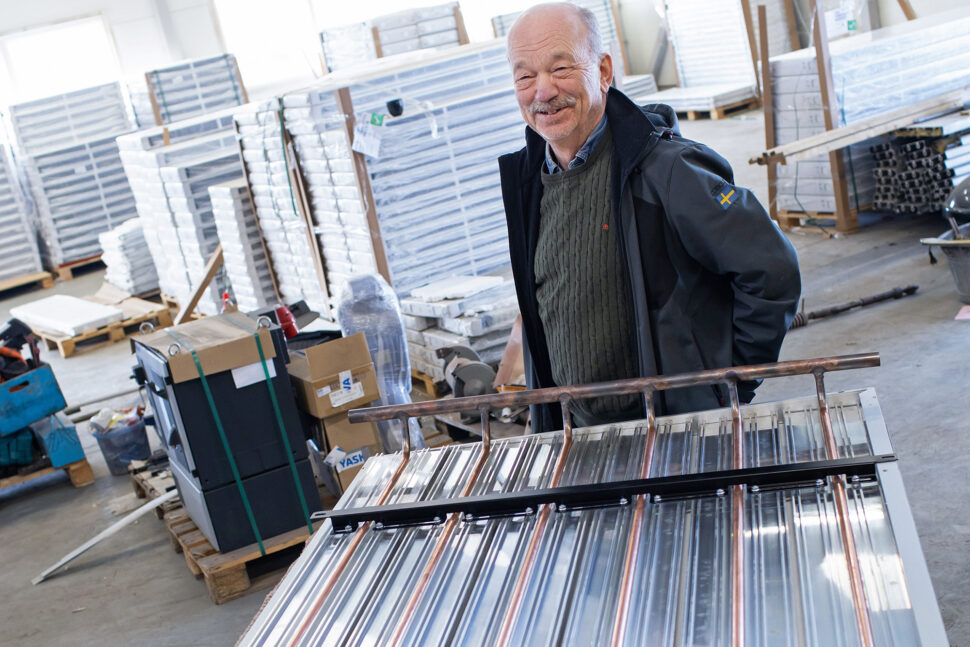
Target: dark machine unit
column 227, row 353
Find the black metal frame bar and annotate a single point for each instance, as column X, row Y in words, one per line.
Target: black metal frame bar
column 602, row 494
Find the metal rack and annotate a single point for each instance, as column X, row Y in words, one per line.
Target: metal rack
column 774, row 524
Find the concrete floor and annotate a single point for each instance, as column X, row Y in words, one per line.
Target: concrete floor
column 133, row 589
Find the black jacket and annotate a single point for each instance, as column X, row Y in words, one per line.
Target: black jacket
column 713, row 281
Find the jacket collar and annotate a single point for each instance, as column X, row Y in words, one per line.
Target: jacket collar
column 631, row 127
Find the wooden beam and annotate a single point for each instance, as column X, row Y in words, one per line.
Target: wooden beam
column 151, row 97
column 619, row 37
column 845, row 220
column 460, row 26
column 346, row 106
column 377, row 42
column 769, row 111
column 907, row 9
column 752, row 43
column 792, row 22
column 211, row 267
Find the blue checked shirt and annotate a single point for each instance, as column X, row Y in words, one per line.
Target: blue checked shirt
column 594, row 137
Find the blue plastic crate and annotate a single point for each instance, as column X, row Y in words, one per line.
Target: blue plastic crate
column 28, row 398
column 60, row 439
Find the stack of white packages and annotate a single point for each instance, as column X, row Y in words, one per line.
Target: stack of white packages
column 605, row 12
column 71, row 162
column 187, row 90
column 476, row 312
column 432, row 171
column 638, row 85
column 20, row 254
column 129, row 263
column 404, row 31
column 284, row 230
column 244, row 258
column 171, row 182
column 872, row 73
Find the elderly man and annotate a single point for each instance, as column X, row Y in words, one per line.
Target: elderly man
column 633, row 252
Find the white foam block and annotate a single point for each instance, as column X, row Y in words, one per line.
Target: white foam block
column 66, row 315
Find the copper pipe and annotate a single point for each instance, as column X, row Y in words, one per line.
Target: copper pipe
column 618, row 387
column 352, row 547
column 443, row 538
column 545, row 511
column 859, row 603
column 633, row 543
column 737, row 520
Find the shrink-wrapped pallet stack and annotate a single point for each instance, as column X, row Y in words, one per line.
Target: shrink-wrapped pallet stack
column 474, row 312
column 872, row 73
column 423, row 202
column 20, row 254
column 66, row 145
column 127, row 258
column 171, row 169
column 185, row 90
column 244, row 256
column 437, row 26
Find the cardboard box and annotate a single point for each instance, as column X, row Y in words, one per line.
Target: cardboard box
column 348, row 446
column 222, row 343
column 334, row 377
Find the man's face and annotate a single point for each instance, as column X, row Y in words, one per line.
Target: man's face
column 560, row 86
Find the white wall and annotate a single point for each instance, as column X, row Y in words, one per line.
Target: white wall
column 641, row 25
column 147, row 33
column 891, row 14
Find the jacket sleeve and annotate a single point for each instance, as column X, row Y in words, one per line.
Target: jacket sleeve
column 725, row 229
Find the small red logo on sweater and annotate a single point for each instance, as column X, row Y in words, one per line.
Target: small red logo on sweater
column 605, row 227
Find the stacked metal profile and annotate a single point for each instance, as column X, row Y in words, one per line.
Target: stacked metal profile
column 20, row 253
column 437, row 560
column 638, row 85
column 244, row 256
column 187, row 90
column 128, row 260
column 275, row 198
column 396, row 33
column 479, row 317
column 434, row 182
column 170, row 169
column 605, row 12
column 66, row 146
column 872, row 73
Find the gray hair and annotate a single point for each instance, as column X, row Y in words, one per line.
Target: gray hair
column 593, row 39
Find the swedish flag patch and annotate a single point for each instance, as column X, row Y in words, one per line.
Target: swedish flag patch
column 726, row 196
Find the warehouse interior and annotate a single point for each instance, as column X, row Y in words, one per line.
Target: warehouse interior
column 258, row 255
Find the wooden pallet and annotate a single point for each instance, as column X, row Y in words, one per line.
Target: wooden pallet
column 152, row 482
column 137, row 312
column 65, row 272
column 722, row 112
column 79, row 472
column 427, row 384
column 815, row 221
column 43, row 278
column 234, row 574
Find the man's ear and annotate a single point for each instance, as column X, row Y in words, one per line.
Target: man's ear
column 606, row 72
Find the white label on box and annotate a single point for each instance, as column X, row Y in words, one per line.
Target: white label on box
column 353, row 459
column 333, row 458
column 343, row 396
column 322, row 391
column 252, row 373
column 346, row 380
column 367, row 139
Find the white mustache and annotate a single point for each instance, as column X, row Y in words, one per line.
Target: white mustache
column 551, row 106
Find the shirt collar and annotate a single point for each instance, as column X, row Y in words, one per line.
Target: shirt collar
column 584, row 152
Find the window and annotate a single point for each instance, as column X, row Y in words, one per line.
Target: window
column 55, row 59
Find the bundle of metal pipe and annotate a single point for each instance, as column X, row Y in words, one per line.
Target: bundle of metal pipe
column 773, row 524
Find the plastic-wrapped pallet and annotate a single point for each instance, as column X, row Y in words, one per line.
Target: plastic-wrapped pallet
column 71, row 164
column 170, row 169
column 284, row 230
column 190, row 89
column 242, row 248
column 129, row 263
column 433, row 177
column 606, row 15
column 872, row 73
column 475, row 312
column 20, row 254
column 405, row 31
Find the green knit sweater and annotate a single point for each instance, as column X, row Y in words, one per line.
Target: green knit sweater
column 581, row 287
